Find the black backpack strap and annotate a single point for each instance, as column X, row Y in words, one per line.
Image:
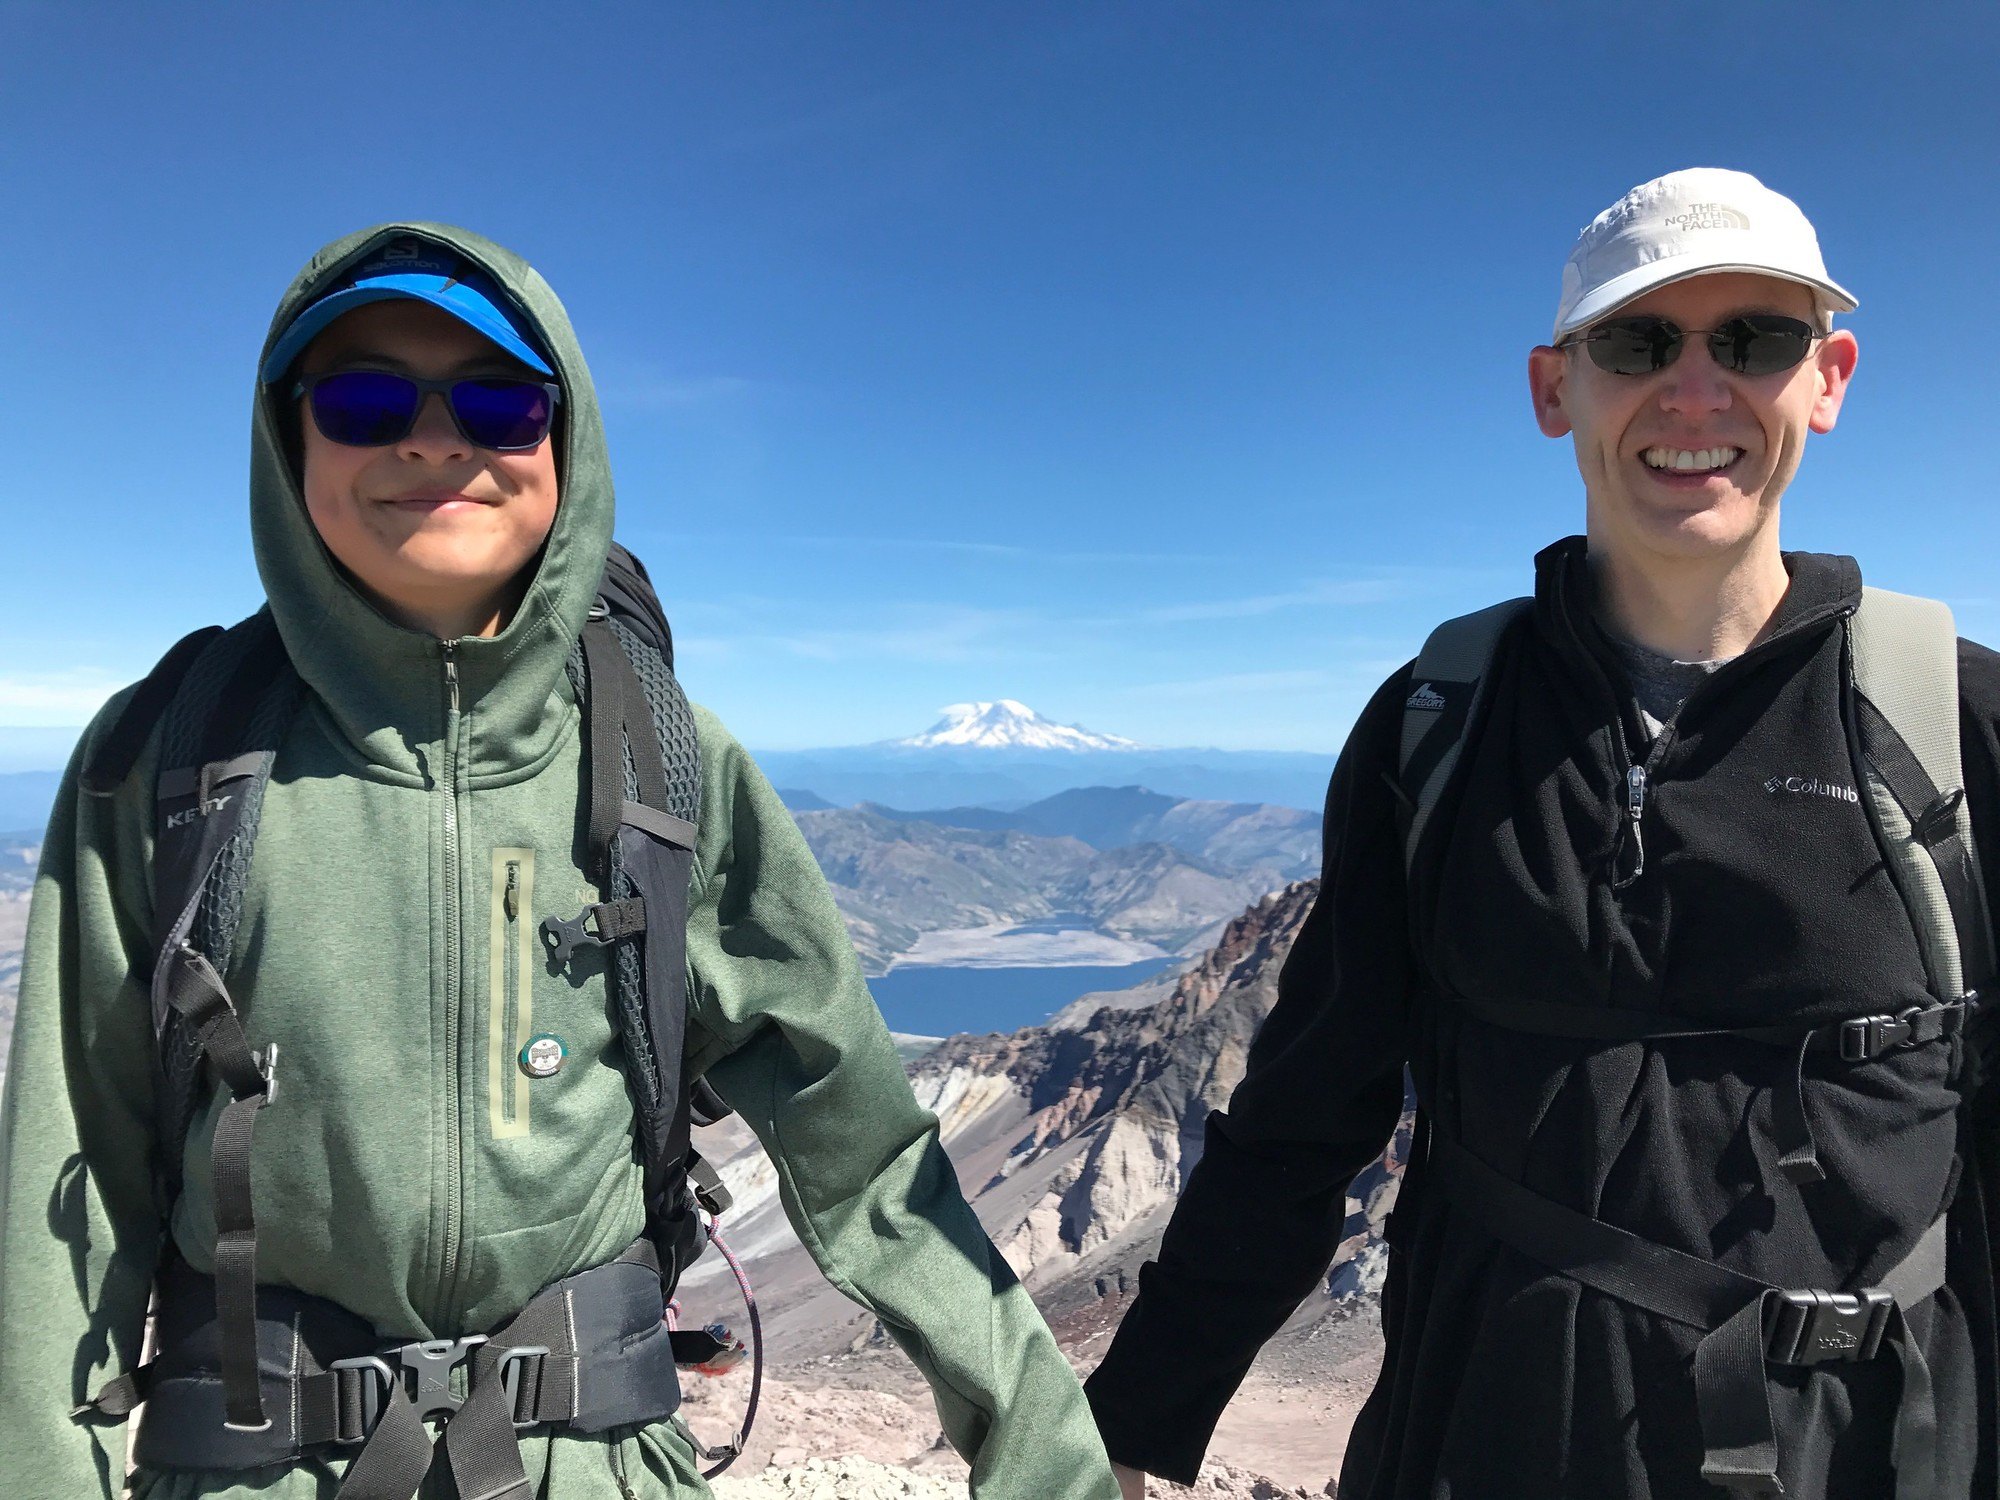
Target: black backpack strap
column 114, row 755
column 643, row 787
column 627, row 592
column 1904, row 658
column 218, row 737
column 1447, row 686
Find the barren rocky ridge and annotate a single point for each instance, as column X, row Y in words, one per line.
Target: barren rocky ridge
column 1072, row 1144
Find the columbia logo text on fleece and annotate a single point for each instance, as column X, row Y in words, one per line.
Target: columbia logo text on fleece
column 1809, row 786
column 1426, row 696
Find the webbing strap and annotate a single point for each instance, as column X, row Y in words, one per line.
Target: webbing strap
column 1734, row 1313
column 1857, row 1039
column 479, row 1439
column 197, row 993
column 642, row 735
column 660, row 824
column 604, row 719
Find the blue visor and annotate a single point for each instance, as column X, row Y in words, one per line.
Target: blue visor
column 427, row 273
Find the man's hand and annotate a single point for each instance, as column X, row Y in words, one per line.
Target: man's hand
column 1131, row 1483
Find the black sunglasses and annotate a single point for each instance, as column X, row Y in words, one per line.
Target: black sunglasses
column 1750, row 344
column 373, row 408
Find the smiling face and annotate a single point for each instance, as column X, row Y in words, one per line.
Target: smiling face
column 1689, row 462
column 440, row 534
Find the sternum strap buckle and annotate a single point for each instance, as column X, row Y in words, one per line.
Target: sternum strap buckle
column 595, row 926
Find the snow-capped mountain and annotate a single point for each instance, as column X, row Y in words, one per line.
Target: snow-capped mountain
column 1009, row 725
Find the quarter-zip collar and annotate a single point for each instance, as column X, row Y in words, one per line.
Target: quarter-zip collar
column 1824, row 587
column 382, row 684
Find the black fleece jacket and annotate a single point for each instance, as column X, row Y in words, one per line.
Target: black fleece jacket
column 1762, row 897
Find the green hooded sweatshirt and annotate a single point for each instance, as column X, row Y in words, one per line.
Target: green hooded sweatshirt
column 409, row 1169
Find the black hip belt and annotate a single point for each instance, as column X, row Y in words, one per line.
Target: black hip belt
column 588, row 1353
column 1746, row 1323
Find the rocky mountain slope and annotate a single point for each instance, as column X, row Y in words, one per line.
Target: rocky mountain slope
column 1072, row 1145
column 896, row 879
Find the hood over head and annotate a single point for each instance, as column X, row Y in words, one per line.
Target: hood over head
column 382, row 682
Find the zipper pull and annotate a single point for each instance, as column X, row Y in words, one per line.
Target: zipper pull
column 1635, row 793
column 512, row 899
column 1635, row 809
column 451, row 674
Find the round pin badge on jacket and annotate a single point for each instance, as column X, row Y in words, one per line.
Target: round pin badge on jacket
column 543, row 1055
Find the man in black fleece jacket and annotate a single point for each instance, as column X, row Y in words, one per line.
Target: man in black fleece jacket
column 1655, row 814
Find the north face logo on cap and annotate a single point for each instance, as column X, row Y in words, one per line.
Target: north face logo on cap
column 1708, row 216
column 1426, row 697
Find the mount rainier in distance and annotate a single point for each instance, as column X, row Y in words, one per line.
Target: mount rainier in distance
column 1003, row 754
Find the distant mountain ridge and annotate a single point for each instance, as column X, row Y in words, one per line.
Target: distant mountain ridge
column 1003, row 754
column 961, row 776
column 1110, row 817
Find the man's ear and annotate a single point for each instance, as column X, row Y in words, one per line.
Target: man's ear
column 1548, row 370
column 1834, row 364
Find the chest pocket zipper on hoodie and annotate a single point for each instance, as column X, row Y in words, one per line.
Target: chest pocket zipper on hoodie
column 510, row 990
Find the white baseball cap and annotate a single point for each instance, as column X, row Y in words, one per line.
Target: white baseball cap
column 1689, row 224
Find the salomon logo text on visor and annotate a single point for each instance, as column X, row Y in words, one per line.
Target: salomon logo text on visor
column 1426, row 697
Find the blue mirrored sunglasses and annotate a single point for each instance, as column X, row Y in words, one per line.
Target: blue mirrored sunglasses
column 373, row 408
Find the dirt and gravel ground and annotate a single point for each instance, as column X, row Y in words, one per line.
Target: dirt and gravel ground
column 864, row 1479
column 861, row 1427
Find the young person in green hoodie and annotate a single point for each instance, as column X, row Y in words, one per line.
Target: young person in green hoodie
column 432, row 508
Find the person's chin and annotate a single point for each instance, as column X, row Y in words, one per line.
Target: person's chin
column 1687, row 527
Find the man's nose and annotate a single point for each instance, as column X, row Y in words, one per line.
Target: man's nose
column 1695, row 382
column 434, row 435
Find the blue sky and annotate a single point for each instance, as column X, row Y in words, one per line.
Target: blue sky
column 1157, row 364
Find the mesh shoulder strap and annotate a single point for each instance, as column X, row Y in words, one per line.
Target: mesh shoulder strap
column 1906, row 728
column 643, row 790
column 1445, row 689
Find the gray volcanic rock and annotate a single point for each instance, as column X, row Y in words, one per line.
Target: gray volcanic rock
column 1072, row 1144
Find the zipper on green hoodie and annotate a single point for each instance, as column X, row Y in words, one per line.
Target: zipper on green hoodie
column 509, row 996
column 454, row 1152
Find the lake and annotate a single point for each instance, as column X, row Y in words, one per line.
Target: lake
column 937, row 1000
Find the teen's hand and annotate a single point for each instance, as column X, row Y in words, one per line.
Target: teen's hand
column 1131, row 1483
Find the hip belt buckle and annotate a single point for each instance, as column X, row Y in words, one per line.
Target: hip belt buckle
column 425, row 1376
column 1811, row 1328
